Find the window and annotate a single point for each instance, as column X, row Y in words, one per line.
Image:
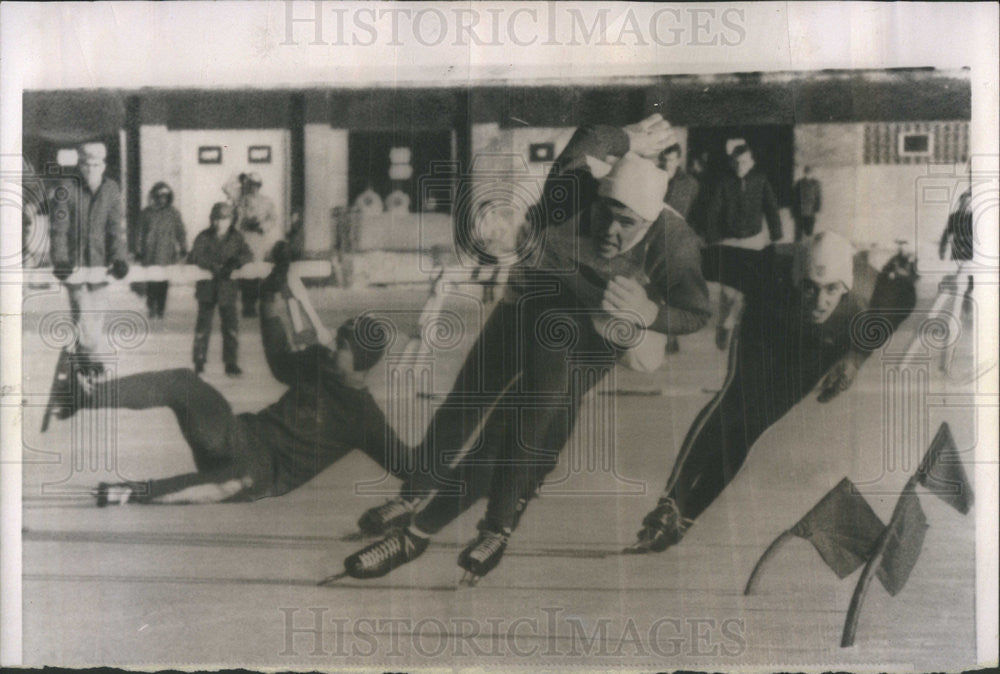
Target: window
column 916, row 144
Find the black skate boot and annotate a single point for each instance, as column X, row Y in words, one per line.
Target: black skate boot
column 663, row 527
column 379, row 558
column 482, row 555
column 394, row 513
column 72, row 383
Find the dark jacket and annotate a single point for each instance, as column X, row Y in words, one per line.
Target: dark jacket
column 682, row 192
column 738, row 206
column 667, row 261
column 319, row 418
column 808, row 198
column 221, row 256
column 86, row 228
column 164, row 240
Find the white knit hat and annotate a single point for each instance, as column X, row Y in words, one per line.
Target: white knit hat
column 93, row 152
column 637, row 183
column 830, row 259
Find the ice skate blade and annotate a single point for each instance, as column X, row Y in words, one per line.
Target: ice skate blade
column 468, row 579
column 637, row 548
column 329, row 580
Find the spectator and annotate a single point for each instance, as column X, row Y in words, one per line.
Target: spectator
column 164, row 242
column 87, row 229
column 807, row 199
column 257, row 221
column 958, row 232
column 741, row 201
column 221, row 253
column 682, row 190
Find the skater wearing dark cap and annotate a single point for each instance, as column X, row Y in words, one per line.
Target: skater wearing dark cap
column 326, row 412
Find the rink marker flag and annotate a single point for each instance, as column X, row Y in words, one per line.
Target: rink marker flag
column 847, row 533
column 842, row 527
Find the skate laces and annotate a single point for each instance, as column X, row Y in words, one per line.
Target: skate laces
column 386, row 550
column 489, row 544
column 381, row 552
column 393, row 508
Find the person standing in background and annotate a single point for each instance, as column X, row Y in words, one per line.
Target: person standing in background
column 682, row 191
column 742, row 200
column 257, row 221
column 958, row 232
column 221, row 250
column 807, row 199
column 87, row 229
column 164, row 242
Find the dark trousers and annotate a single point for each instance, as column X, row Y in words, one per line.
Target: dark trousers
column 518, row 390
column 250, row 291
column 753, row 397
column 203, row 330
column 804, row 225
column 156, row 297
column 218, row 440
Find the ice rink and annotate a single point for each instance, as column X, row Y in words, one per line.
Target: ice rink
column 235, row 584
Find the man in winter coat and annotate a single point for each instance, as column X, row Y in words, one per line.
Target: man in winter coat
column 86, row 229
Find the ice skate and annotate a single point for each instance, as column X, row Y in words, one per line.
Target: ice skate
column 661, row 528
column 394, row 513
column 379, row 558
column 482, row 556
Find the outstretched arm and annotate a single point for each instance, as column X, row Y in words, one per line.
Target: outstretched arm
column 570, row 186
column 276, row 333
column 891, row 303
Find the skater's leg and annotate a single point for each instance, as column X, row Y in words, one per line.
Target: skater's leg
column 541, row 432
column 486, row 374
column 203, row 414
column 88, row 304
column 443, row 467
column 474, row 476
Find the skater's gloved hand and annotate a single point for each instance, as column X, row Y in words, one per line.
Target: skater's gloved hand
column 278, row 278
column 118, row 269
column 650, row 136
column 839, row 378
column 624, row 298
column 62, row 270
